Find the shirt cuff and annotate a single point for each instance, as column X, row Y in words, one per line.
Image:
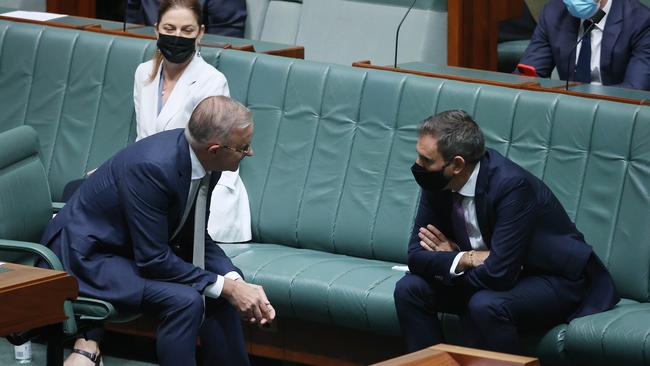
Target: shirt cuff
column 454, row 264
column 213, row 290
column 232, row 275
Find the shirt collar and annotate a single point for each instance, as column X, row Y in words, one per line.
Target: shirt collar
column 469, row 189
column 197, row 169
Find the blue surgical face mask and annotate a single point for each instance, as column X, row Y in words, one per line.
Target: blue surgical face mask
column 583, row 9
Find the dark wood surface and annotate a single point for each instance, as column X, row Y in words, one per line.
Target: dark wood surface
column 448, row 355
column 298, row 341
column 527, row 85
column 92, row 25
column 472, row 31
column 82, row 8
column 32, row 297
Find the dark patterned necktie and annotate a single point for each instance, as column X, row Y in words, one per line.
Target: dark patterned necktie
column 583, row 66
column 458, row 223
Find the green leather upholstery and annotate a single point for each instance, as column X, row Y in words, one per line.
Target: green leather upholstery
column 330, row 189
column 72, row 88
column 509, row 53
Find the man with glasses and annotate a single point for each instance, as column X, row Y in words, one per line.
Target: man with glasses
column 134, row 235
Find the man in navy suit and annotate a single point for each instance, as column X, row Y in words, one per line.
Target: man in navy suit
column 619, row 53
column 127, row 236
column 223, row 17
column 491, row 243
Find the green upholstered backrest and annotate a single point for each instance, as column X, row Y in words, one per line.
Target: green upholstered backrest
column 74, row 88
column 334, row 144
column 25, row 206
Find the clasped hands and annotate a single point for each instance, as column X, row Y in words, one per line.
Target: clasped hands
column 250, row 300
column 433, row 239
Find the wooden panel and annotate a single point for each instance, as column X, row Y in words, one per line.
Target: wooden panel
column 82, row 8
column 33, row 297
column 448, row 355
column 525, row 86
column 472, row 31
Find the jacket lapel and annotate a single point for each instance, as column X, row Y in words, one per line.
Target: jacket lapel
column 568, row 51
column 610, row 36
column 184, row 176
column 480, row 200
column 179, row 96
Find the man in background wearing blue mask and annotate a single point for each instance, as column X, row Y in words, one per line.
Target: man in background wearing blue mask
column 615, row 52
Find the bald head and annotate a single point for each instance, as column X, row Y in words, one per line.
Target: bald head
column 215, row 117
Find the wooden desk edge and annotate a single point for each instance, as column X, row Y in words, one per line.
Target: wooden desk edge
column 529, row 85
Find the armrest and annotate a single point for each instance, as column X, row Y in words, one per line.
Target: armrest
column 32, row 248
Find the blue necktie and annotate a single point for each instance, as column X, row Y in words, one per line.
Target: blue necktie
column 583, row 66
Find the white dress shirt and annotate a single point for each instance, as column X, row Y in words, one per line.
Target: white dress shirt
column 471, row 222
column 596, row 44
column 213, row 290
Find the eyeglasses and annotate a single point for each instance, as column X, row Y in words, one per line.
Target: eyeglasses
column 248, row 151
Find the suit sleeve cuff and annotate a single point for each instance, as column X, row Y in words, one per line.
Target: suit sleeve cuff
column 213, row 290
column 454, row 264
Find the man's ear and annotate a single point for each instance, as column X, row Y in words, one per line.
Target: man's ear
column 458, row 164
column 214, row 148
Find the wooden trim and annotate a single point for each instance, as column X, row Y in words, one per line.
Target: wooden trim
column 448, row 355
column 472, row 30
column 533, row 86
column 292, row 52
column 83, row 8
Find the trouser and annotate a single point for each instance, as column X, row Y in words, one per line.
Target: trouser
column 180, row 312
column 491, row 319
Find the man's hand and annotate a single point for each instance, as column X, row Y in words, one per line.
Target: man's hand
column 432, row 239
column 250, row 300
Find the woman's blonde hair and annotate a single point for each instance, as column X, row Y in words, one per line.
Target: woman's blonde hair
column 165, row 6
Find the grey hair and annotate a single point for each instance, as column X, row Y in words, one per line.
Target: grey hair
column 214, row 117
column 457, row 134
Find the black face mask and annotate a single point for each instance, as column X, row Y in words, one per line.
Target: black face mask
column 430, row 181
column 176, row 49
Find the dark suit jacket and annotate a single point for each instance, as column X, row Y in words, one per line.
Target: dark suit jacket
column 526, row 229
column 625, row 48
column 224, row 17
column 115, row 231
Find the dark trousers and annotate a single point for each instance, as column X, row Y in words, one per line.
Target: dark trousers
column 180, row 312
column 491, row 319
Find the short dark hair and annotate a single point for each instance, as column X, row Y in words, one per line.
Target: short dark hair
column 457, row 134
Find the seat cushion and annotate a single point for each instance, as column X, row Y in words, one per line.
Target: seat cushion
column 323, row 287
column 616, row 337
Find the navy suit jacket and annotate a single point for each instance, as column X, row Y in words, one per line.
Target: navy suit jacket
column 526, row 229
column 115, row 231
column 224, row 17
column 625, row 48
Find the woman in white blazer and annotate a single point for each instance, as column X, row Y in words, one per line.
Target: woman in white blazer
column 165, row 93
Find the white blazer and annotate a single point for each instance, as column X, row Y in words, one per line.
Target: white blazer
column 229, row 219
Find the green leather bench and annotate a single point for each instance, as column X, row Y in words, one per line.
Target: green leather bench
column 331, row 194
